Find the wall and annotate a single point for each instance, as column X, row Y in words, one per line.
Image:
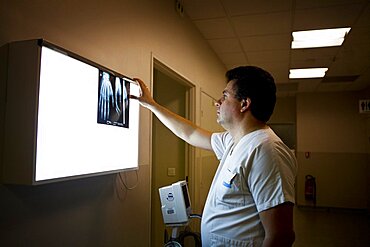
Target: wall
column 285, row 110
column 331, row 131
column 333, row 145
column 283, row 120
column 124, row 36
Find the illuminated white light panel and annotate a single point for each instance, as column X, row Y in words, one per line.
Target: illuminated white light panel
column 307, row 73
column 70, row 142
column 319, row 38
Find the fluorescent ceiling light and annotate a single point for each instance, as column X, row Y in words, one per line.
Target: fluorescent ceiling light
column 319, row 38
column 307, row 73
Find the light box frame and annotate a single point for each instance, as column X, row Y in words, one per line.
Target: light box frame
column 19, row 85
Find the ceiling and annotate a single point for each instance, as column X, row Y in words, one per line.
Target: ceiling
column 258, row 32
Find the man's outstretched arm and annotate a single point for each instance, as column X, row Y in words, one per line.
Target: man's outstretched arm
column 181, row 127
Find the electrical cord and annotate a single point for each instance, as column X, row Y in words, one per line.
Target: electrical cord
column 194, row 235
column 123, row 182
column 172, row 243
column 180, row 240
column 122, row 187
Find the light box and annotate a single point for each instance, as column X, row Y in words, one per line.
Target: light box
column 65, row 117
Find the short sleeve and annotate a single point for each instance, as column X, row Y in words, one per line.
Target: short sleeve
column 272, row 177
column 220, row 142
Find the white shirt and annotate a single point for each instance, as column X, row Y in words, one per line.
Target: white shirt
column 256, row 174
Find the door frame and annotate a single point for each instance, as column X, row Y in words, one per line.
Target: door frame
column 190, row 158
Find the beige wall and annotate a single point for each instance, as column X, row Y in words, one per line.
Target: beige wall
column 337, row 138
column 124, row 36
column 283, row 120
column 285, row 111
column 331, row 129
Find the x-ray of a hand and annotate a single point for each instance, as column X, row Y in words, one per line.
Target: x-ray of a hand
column 105, row 97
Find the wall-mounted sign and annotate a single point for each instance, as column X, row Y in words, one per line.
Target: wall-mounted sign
column 364, row 105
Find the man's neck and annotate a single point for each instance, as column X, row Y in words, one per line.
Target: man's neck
column 245, row 128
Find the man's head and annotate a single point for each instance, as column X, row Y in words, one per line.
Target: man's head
column 257, row 85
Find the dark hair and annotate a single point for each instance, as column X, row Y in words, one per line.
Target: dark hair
column 258, row 85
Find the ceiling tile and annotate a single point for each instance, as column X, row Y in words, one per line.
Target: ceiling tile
column 361, row 83
column 364, row 19
column 215, row 28
column 349, row 63
column 332, row 87
column 358, row 35
column 242, row 7
column 267, row 42
column 310, row 58
column 258, row 33
column 268, row 56
column 225, row 45
column 330, row 17
column 271, row 23
column 307, row 4
column 205, row 9
column 233, row 58
column 316, row 63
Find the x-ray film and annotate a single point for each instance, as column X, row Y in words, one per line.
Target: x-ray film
column 113, row 101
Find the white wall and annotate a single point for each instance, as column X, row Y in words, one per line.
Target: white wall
column 124, row 36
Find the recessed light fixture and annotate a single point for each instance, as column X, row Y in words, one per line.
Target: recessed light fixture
column 319, row 38
column 307, row 73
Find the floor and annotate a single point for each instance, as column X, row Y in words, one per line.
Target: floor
column 331, row 227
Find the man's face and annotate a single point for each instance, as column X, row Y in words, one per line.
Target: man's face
column 228, row 107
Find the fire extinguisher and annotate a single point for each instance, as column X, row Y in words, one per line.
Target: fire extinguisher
column 310, row 188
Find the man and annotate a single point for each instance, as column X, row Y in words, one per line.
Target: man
column 250, row 202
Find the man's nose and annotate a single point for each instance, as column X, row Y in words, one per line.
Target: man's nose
column 218, row 103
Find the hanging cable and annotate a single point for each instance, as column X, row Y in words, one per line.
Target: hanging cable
column 123, row 182
column 122, row 187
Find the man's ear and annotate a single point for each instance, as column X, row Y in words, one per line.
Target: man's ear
column 245, row 104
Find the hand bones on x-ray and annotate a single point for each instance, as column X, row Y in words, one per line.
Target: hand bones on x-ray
column 105, row 96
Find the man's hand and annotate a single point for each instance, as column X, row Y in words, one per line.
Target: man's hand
column 145, row 97
column 181, row 127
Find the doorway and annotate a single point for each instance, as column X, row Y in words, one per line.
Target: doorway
column 171, row 157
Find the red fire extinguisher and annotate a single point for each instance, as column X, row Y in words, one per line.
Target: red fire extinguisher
column 310, row 188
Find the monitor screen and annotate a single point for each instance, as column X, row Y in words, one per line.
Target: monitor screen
column 86, row 123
